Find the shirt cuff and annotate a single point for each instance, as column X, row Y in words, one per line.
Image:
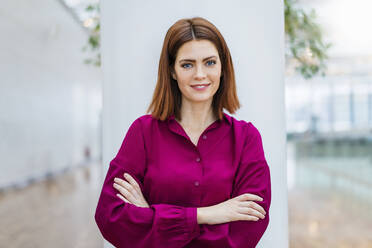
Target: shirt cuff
column 192, row 221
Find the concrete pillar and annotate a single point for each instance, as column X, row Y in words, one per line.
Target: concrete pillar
column 132, row 36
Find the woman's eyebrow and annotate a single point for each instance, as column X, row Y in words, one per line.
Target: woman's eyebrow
column 193, row 60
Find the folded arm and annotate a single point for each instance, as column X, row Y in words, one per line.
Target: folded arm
column 253, row 176
column 127, row 225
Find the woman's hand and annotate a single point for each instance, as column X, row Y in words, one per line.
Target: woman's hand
column 130, row 191
column 241, row 207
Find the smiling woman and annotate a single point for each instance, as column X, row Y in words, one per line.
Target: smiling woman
column 198, row 79
column 188, row 174
column 196, row 72
column 194, row 48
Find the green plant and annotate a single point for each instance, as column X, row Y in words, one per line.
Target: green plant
column 304, row 41
column 94, row 40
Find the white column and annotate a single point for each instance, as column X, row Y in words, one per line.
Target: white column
column 132, row 36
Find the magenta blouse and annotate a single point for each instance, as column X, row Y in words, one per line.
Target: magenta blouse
column 176, row 177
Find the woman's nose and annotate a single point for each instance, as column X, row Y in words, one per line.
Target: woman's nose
column 199, row 73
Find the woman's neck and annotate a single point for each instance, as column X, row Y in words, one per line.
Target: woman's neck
column 197, row 115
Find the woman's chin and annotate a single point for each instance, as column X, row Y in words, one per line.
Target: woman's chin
column 200, row 99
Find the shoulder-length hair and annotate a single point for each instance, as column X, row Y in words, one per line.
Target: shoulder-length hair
column 166, row 100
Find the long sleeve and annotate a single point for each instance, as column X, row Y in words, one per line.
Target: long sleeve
column 252, row 176
column 126, row 225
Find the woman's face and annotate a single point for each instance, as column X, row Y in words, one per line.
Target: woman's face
column 197, row 70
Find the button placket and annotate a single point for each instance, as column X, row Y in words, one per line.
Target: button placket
column 198, row 161
column 197, row 183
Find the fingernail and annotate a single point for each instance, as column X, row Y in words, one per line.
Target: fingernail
column 125, row 174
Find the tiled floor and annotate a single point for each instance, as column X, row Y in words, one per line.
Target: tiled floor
column 55, row 213
column 322, row 219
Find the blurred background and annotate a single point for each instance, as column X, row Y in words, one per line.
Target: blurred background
column 50, row 123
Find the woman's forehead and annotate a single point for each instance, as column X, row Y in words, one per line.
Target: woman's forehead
column 197, row 49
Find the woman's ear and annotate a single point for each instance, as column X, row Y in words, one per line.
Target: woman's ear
column 174, row 75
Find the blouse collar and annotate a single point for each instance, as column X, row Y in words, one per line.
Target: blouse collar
column 226, row 117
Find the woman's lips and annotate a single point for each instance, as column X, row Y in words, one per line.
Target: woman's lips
column 200, row 87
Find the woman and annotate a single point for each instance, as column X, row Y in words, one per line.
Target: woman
column 188, row 174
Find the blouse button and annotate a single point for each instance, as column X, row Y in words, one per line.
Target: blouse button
column 196, row 183
column 204, row 136
column 197, row 159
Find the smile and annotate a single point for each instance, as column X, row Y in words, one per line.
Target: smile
column 200, row 86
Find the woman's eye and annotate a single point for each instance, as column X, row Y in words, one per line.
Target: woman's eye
column 211, row 62
column 186, row 65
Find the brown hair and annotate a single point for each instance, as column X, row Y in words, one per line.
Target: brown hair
column 167, row 96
